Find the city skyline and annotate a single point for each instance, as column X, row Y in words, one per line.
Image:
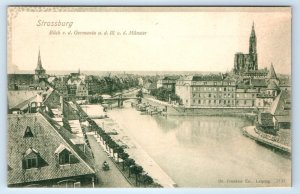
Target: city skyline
column 207, row 42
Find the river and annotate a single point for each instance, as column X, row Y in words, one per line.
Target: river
column 205, row 151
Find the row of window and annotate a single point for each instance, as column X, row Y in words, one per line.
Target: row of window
column 220, row 89
column 213, row 102
column 214, row 95
column 32, row 158
column 208, row 83
column 222, row 102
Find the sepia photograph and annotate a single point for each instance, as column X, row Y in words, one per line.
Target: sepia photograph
column 149, row 97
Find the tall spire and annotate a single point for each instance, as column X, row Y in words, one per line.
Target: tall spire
column 39, row 63
column 253, row 30
column 252, row 41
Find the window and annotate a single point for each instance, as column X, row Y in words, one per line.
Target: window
column 237, row 95
column 199, row 102
column 30, row 163
column 30, row 159
column 28, row 132
column 245, row 95
column 64, row 157
column 209, row 95
column 224, row 89
column 205, row 83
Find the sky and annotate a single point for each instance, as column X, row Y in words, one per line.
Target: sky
column 181, row 39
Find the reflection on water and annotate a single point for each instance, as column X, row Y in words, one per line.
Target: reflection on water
column 202, row 151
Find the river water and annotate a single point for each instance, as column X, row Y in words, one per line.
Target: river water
column 205, row 151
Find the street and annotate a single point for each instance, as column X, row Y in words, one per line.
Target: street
column 111, row 178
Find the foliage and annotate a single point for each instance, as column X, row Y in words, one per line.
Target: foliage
column 140, row 94
column 165, row 94
column 95, row 99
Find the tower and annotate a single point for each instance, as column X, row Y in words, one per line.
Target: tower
column 40, row 72
column 252, row 41
column 252, row 50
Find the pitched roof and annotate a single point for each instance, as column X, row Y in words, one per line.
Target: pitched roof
column 18, row 96
column 212, row 77
column 272, row 74
column 23, row 79
column 258, row 83
column 272, row 86
column 284, row 104
column 47, row 139
column 171, row 77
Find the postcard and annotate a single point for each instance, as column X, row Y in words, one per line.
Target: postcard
column 149, row 97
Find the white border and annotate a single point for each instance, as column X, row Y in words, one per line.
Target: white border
column 295, row 75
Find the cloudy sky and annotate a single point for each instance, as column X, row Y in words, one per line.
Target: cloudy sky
column 186, row 39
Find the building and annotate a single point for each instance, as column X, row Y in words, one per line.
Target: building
column 81, row 89
column 245, row 63
column 40, row 72
column 29, row 81
column 168, row 82
column 206, row 91
column 40, row 154
column 281, row 110
column 266, row 123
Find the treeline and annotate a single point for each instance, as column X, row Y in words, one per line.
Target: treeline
column 165, row 94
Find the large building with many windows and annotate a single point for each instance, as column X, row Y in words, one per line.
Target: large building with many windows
column 218, row 90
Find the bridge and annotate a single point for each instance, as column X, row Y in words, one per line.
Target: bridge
column 120, row 99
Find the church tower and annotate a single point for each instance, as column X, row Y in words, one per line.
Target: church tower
column 252, row 49
column 40, row 72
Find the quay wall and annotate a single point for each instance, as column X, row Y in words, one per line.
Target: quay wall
column 204, row 111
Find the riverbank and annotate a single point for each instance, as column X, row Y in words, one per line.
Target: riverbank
column 175, row 110
column 270, row 140
column 135, row 151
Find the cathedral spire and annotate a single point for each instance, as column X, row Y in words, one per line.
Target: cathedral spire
column 253, row 30
column 252, row 41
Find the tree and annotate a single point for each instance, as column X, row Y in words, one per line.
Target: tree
column 146, row 179
column 124, row 156
column 129, row 162
column 140, row 94
column 137, row 170
column 119, row 151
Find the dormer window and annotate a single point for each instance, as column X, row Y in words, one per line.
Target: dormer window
column 30, row 159
column 64, row 155
column 28, row 132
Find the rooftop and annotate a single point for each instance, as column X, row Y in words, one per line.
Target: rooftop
column 47, row 138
